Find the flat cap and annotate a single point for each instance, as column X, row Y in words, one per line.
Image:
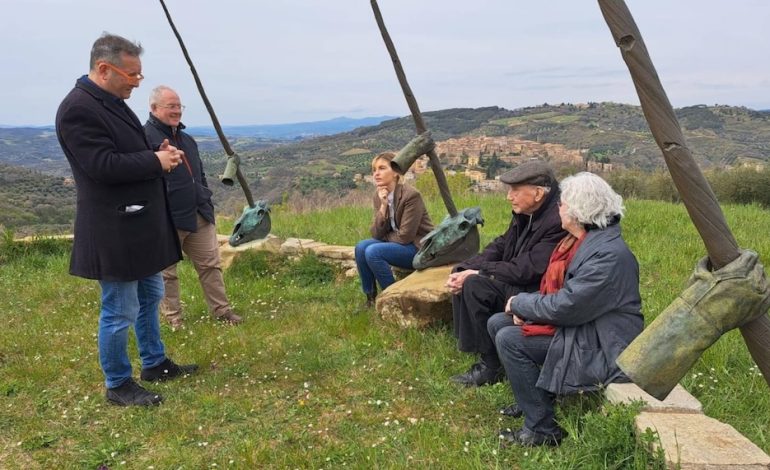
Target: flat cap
column 535, row 172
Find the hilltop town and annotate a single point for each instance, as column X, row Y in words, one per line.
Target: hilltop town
column 480, row 157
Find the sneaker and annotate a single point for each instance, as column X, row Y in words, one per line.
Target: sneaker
column 130, row 393
column 167, row 370
column 230, row 318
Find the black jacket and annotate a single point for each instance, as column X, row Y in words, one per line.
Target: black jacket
column 188, row 191
column 519, row 256
column 123, row 228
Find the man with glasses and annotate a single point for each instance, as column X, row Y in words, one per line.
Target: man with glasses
column 191, row 207
column 124, row 235
column 514, row 262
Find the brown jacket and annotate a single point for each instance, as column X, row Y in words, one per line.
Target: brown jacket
column 412, row 218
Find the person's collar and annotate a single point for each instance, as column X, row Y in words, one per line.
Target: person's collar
column 158, row 123
column 99, row 91
column 614, row 220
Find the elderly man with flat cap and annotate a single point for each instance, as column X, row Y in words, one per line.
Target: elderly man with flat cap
column 514, row 262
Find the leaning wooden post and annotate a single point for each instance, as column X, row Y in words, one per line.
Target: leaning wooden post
column 696, row 194
column 233, row 163
column 415, row 110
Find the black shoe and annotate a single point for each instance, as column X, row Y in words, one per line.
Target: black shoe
column 167, row 370
column 525, row 437
column 371, row 300
column 512, row 410
column 131, row 393
column 479, row 374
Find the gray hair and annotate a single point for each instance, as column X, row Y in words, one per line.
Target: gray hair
column 110, row 48
column 590, row 200
column 157, row 91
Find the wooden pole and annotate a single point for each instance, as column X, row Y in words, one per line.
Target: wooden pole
column 696, row 194
column 241, row 180
column 419, row 123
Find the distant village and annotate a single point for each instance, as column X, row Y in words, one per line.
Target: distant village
column 474, row 155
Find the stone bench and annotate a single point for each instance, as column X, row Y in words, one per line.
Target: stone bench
column 418, row 300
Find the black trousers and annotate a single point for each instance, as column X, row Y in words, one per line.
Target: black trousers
column 480, row 298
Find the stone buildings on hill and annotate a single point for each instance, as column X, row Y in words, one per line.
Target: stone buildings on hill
column 468, row 155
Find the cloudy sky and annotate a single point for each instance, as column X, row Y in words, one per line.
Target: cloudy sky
column 266, row 62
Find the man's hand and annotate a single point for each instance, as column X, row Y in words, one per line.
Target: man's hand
column 456, row 280
column 170, row 157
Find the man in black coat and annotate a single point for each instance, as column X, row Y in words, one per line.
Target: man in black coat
column 191, row 207
column 124, row 235
column 514, row 262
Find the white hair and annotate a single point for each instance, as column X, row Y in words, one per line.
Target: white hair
column 590, row 200
column 157, row 92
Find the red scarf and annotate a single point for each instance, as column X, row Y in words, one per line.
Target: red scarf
column 553, row 279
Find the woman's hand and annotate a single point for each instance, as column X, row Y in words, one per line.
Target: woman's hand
column 517, row 320
column 382, row 193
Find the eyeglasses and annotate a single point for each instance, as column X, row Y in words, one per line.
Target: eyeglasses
column 131, row 77
column 180, row 107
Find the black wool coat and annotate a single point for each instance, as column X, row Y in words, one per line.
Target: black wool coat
column 123, row 227
column 188, row 191
column 520, row 255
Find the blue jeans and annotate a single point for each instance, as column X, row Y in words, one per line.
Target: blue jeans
column 126, row 304
column 522, row 356
column 374, row 259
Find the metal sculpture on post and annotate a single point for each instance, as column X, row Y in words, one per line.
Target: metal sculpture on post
column 457, row 237
column 254, row 222
column 728, row 288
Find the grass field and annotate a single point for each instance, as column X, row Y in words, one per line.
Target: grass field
column 311, row 380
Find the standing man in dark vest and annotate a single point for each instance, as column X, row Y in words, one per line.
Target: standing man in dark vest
column 514, row 262
column 191, row 207
column 124, row 235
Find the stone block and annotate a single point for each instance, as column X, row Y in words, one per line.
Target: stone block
column 335, row 252
column 678, row 401
column 227, row 253
column 419, row 300
column 694, row 441
column 296, row 246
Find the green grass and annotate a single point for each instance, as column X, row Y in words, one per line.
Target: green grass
column 311, row 380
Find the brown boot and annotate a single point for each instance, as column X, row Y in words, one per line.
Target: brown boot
column 231, row 318
column 371, row 299
column 175, row 322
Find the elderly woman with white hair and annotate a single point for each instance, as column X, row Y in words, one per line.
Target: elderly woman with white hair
column 565, row 338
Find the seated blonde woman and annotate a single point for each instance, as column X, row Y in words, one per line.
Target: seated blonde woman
column 400, row 221
column 565, row 338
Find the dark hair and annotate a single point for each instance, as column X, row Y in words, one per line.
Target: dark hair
column 110, row 48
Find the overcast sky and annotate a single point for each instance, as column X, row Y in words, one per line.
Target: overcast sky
column 266, row 62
